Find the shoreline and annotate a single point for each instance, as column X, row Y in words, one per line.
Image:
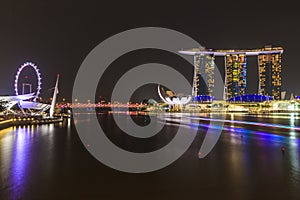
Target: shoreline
column 28, row 121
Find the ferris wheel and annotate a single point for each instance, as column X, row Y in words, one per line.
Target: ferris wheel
column 38, row 75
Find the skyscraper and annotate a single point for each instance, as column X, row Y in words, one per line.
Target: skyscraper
column 270, row 67
column 203, row 82
column 235, row 75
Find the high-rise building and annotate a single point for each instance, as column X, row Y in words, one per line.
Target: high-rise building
column 270, row 75
column 203, row 82
column 269, row 67
column 235, row 75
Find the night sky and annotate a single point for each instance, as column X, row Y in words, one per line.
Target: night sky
column 57, row 36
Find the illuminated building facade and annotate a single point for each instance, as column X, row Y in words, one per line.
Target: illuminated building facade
column 203, row 82
column 270, row 75
column 235, row 75
column 269, row 67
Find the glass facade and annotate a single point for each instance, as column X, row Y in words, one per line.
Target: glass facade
column 203, row 83
column 270, row 75
column 269, row 71
column 235, row 77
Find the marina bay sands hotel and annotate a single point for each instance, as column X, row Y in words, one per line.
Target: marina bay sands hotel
column 269, row 71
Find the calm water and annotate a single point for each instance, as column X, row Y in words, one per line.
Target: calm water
column 50, row 162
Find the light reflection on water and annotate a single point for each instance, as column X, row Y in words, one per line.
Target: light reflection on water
column 242, row 152
column 18, row 146
column 20, row 157
column 15, row 158
column 265, row 136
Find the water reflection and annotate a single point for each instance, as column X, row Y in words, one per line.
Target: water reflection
column 20, row 160
column 15, row 159
column 19, row 154
column 5, row 156
column 247, row 159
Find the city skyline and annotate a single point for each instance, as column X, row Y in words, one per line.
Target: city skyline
column 108, row 100
column 57, row 38
column 235, row 76
column 269, row 67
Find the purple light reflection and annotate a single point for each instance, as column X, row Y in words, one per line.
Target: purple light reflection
column 20, row 161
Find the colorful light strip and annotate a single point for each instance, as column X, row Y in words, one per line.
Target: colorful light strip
column 188, row 124
column 248, row 123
